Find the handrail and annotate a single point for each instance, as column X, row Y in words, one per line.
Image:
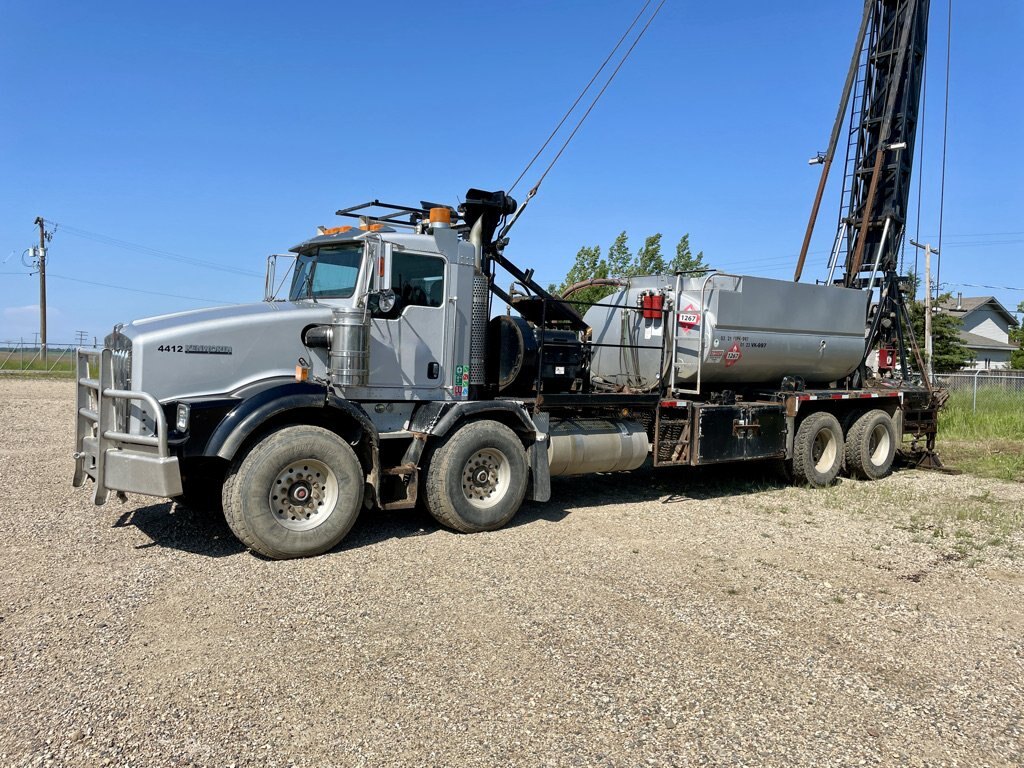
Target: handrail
column 703, row 324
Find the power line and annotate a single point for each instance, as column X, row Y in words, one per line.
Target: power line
column 990, row 287
column 154, row 252
column 982, row 243
column 983, row 234
column 137, row 290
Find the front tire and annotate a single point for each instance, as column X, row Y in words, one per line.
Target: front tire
column 818, row 450
column 871, row 446
column 296, row 493
column 477, row 478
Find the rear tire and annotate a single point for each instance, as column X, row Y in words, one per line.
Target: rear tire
column 818, row 450
column 871, row 446
column 477, row 478
column 296, row 493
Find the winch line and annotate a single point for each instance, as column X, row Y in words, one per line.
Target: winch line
column 597, row 98
column 580, row 97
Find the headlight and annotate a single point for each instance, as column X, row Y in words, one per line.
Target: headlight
column 181, row 423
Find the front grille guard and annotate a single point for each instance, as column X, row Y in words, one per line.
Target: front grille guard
column 100, row 425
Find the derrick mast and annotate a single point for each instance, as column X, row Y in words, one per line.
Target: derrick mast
column 880, row 146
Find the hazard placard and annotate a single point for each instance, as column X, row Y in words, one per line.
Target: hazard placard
column 733, row 355
column 689, row 318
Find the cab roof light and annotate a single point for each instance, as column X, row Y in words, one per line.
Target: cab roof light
column 333, row 230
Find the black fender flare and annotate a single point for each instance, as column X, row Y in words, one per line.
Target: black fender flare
column 436, row 419
column 252, row 413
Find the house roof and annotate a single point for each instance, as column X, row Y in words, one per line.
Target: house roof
column 974, row 341
column 969, row 304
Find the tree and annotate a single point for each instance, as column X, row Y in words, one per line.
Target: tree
column 588, row 265
column 948, row 352
column 1017, row 337
column 649, row 260
column 684, row 260
column 620, row 263
column 620, row 260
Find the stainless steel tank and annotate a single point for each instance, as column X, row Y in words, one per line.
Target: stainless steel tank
column 582, row 446
column 739, row 329
column 350, row 347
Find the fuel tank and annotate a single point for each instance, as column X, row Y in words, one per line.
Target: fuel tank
column 737, row 330
column 583, row 446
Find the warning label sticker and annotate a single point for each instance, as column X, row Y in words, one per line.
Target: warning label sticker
column 689, row 318
column 460, row 386
column 733, row 355
column 716, row 355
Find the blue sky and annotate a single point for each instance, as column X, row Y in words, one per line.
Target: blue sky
column 222, row 132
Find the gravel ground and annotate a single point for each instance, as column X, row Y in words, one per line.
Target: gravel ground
column 661, row 618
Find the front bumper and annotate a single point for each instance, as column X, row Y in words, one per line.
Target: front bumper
column 115, row 459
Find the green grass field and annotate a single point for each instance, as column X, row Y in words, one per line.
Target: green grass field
column 55, row 365
column 989, row 442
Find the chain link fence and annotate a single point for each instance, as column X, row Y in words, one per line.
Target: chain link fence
column 28, row 356
column 1001, row 386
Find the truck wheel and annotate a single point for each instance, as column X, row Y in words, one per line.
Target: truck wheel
column 296, row 493
column 477, row 477
column 871, row 446
column 818, row 450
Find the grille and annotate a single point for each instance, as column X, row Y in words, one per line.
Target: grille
column 121, row 360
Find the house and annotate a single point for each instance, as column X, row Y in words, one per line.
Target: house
column 985, row 329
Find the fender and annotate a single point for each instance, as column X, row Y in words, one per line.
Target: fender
column 437, row 418
column 252, row 412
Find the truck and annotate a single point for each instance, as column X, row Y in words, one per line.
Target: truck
column 396, row 371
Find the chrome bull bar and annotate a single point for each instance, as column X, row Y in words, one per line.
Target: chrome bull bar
column 117, row 460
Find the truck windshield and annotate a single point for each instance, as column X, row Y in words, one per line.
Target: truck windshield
column 330, row 272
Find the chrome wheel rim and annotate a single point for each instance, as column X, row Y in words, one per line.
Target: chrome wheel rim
column 303, row 494
column 485, row 478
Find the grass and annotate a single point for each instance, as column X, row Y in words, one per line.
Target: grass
column 988, row 442
column 36, row 366
column 1000, row 415
column 967, row 527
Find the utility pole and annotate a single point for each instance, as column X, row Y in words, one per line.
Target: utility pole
column 41, row 223
column 928, row 251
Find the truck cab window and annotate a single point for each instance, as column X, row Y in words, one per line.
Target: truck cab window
column 417, row 280
column 330, row 272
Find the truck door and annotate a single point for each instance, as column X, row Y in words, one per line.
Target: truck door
column 407, row 344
